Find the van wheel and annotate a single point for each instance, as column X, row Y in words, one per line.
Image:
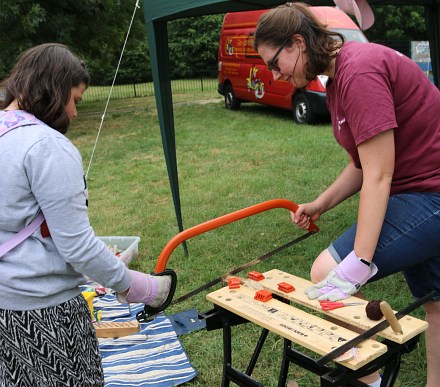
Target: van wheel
column 302, row 110
column 231, row 101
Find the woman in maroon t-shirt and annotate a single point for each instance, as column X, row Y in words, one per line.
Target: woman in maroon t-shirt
column 385, row 115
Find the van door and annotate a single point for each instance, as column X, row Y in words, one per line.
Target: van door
column 260, row 80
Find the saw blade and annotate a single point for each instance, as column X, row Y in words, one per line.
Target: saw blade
column 241, row 267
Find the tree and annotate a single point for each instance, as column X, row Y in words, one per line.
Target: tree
column 398, row 23
column 18, row 23
column 135, row 65
column 193, row 45
column 395, row 27
column 94, row 29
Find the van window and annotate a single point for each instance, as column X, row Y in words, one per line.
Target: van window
column 250, row 52
column 351, row 35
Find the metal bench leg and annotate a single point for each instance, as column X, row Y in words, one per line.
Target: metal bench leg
column 391, row 371
column 282, row 380
column 227, row 349
column 257, row 351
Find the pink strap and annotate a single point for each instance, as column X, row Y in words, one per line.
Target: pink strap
column 8, row 121
column 14, row 118
column 22, row 235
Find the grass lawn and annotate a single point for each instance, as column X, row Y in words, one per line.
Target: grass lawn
column 227, row 160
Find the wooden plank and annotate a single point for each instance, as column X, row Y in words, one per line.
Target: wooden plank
column 354, row 315
column 115, row 329
column 302, row 328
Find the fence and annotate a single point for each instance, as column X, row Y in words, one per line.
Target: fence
column 180, row 86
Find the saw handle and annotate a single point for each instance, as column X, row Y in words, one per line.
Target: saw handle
column 149, row 311
column 221, row 221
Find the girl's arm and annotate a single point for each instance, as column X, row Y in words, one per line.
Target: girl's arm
column 346, row 185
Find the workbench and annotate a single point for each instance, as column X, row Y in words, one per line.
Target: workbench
column 303, row 328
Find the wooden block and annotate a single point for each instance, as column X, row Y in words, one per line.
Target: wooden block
column 354, row 315
column 302, row 328
column 116, row 329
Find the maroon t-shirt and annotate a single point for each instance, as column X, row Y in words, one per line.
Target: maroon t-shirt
column 376, row 89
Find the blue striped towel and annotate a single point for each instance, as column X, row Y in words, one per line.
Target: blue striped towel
column 154, row 357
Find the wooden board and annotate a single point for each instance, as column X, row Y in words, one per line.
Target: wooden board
column 115, row 329
column 354, row 315
column 306, row 329
column 302, row 328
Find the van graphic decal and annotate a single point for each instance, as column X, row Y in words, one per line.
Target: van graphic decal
column 254, row 83
column 229, row 47
column 241, row 68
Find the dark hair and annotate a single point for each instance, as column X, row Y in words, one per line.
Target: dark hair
column 42, row 82
column 280, row 24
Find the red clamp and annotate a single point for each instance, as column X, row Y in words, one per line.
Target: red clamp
column 233, row 283
column 285, row 287
column 263, row 295
column 255, row 275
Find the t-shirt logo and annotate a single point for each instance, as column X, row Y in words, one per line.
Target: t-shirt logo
column 341, row 121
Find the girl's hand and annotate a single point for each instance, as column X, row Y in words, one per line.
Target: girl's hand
column 343, row 281
column 305, row 213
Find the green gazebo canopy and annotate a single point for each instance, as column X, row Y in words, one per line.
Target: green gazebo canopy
column 159, row 12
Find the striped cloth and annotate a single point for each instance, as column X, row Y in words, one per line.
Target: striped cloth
column 153, row 357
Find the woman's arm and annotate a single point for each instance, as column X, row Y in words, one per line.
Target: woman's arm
column 377, row 158
column 346, row 184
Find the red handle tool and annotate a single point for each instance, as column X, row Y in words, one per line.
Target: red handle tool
column 221, row 221
column 330, row 305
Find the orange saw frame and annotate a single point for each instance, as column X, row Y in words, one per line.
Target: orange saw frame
column 221, row 221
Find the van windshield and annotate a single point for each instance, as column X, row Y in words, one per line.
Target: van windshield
column 351, row 35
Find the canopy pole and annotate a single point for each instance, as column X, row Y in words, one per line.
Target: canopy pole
column 159, row 56
column 432, row 17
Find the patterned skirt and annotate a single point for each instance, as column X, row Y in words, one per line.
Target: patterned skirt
column 51, row 347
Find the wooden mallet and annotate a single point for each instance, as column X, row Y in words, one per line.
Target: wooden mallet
column 377, row 309
column 391, row 318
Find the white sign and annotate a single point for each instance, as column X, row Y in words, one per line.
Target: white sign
column 420, row 51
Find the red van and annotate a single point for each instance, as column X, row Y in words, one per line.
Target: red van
column 243, row 76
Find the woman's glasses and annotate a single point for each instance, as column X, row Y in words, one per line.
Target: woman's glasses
column 272, row 63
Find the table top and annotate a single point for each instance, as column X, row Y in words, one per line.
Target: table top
column 306, row 327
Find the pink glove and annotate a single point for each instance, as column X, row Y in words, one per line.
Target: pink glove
column 343, row 281
column 147, row 289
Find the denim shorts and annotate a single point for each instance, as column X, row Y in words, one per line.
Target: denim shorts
column 409, row 242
